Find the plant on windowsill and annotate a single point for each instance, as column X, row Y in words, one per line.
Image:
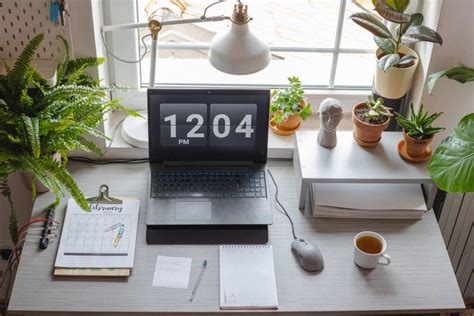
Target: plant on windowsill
column 418, row 133
column 452, row 164
column 396, row 63
column 370, row 119
column 41, row 124
column 288, row 107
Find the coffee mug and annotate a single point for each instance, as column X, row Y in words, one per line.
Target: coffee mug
column 369, row 248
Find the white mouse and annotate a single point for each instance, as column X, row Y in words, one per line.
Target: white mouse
column 308, row 255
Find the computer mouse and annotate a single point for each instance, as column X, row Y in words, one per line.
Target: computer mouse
column 308, row 255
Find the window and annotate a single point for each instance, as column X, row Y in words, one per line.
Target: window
column 312, row 39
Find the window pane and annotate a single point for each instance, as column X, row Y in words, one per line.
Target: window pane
column 292, row 23
column 312, row 68
column 355, row 70
column 353, row 35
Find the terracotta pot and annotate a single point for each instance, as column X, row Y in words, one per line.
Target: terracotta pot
column 395, row 82
column 365, row 134
column 293, row 121
column 415, row 147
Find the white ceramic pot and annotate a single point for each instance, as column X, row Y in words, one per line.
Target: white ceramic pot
column 395, row 82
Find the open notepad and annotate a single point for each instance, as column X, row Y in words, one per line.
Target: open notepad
column 247, row 277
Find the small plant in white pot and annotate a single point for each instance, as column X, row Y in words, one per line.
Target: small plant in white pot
column 396, row 63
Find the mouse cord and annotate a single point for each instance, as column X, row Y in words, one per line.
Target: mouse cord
column 281, row 205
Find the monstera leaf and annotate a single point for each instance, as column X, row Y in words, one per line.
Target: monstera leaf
column 452, row 165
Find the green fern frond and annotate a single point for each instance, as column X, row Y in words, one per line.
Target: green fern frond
column 84, row 62
column 22, row 64
column 13, row 222
column 62, row 68
column 31, row 126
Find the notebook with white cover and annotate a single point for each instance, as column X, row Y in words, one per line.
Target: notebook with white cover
column 247, row 277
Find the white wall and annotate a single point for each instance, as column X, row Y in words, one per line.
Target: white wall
column 456, row 26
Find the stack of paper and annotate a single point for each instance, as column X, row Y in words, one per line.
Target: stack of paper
column 100, row 242
column 247, row 277
column 364, row 200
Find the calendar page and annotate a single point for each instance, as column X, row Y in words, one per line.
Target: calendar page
column 102, row 238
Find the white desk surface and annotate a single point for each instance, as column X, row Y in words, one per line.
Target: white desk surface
column 420, row 278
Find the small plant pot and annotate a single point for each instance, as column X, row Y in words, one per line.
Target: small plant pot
column 366, row 134
column 395, row 82
column 417, row 148
column 290, row 125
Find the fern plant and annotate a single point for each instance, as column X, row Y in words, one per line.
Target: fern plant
column 37, row 121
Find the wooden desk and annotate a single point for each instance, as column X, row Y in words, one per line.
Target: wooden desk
column 420, row 278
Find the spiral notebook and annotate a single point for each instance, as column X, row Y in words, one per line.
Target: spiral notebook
column 247, row 277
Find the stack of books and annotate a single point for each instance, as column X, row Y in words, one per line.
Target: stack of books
column 368, row 200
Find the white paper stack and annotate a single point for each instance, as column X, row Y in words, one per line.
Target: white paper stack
column 247, row 277
column 368, row 200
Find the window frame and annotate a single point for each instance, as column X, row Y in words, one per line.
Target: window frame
column 130, row 74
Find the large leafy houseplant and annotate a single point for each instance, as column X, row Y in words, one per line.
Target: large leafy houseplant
column 396, row 62
column 409, row 30
column 38, row 121
column 452, row 165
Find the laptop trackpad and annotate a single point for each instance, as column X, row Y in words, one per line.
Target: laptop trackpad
column 192, row 210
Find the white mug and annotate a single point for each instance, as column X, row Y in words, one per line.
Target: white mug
column 368, row 260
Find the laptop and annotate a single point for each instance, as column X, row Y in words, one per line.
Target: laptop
column 208, row 154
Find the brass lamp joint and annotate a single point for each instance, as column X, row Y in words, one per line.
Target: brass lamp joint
column 155, row 28
column 240, row 15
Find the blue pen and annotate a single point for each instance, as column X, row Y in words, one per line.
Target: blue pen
column 196, row 286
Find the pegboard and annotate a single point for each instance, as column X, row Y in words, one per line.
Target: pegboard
column 21, row 20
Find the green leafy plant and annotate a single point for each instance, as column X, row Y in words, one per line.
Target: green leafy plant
column 38, row 121
column 452, row 164
column 457, row 72
column 289, row 101
column 418, row 124
column 376, row 109
column 409, row 30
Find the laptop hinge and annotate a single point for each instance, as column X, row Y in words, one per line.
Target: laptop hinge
column 207, row 163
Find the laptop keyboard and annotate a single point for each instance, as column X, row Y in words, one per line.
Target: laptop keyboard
column 217, row 184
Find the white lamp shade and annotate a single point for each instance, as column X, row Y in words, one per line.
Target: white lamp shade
column 237, row 51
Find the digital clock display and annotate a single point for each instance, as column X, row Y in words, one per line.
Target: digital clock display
column 208, row 125
column 199, row 124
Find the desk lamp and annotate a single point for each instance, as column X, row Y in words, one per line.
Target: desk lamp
column 235, row 51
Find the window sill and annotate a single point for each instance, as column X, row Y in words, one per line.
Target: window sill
column 279, row 147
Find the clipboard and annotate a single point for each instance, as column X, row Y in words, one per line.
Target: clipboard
column 103, row 197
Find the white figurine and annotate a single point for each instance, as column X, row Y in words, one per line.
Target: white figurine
column 330, row 114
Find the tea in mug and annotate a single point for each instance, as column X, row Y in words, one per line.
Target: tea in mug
column 369, row 244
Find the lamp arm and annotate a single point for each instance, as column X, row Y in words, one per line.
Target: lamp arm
column 128, row 26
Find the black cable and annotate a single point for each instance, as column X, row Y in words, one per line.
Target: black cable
column 281, row 205
column 109, row 161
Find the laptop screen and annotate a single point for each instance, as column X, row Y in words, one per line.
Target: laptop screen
column 208, row 125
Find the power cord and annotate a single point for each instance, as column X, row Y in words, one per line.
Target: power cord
column 121, row 59
column 281, row 205
column 109, row 161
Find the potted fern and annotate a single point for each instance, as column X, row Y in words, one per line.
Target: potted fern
column 418, row 134
column 370, row 119
column 396, row 62
column 40, row 122
column 288, row 107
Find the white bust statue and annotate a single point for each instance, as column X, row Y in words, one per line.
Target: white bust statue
column 330, row 114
